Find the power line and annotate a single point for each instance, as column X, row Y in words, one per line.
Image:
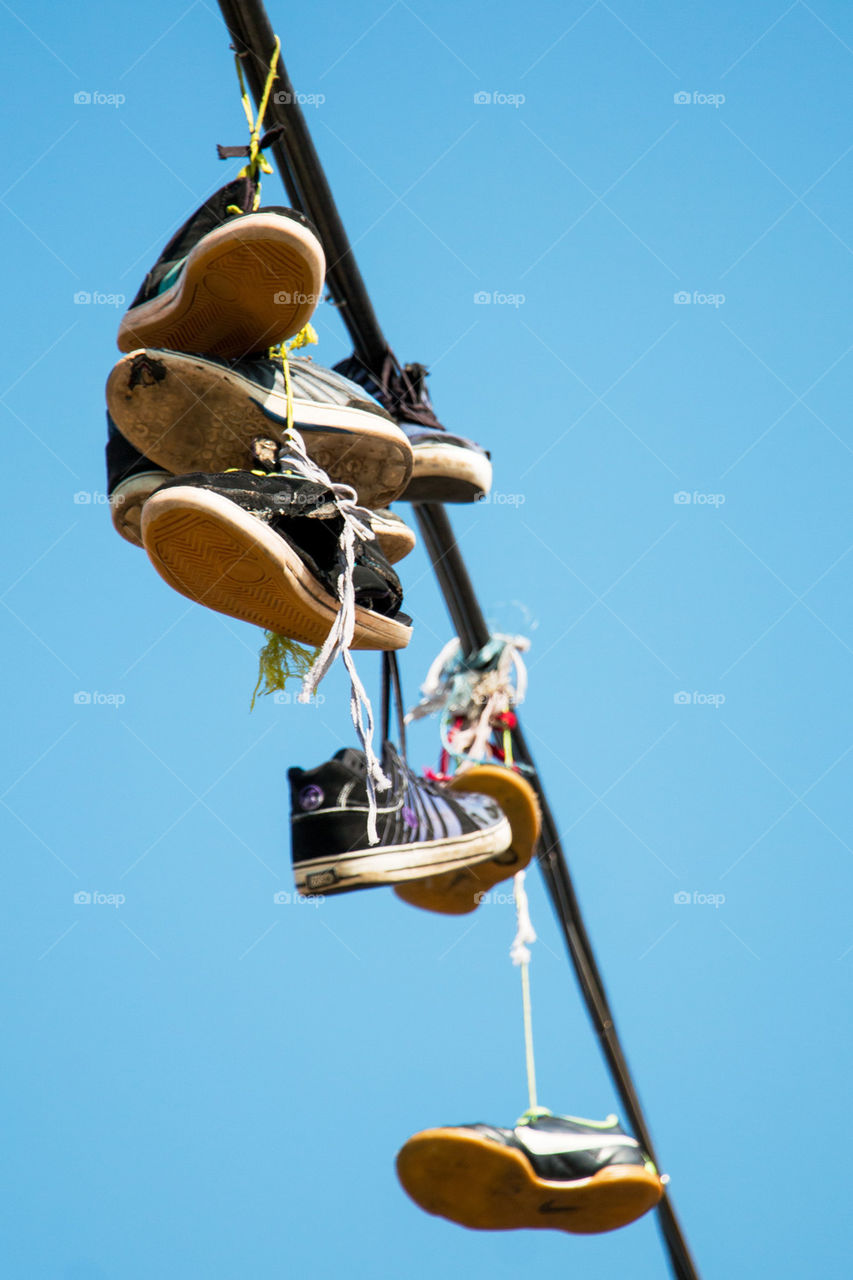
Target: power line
column 309, row 191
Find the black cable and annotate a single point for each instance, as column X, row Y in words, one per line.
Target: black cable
column 309, row 191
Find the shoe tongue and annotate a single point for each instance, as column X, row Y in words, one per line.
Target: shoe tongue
column 352, row 759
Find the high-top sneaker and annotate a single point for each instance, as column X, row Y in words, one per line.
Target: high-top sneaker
column 576, row 1175
column 457, row 892
column 421, row 828
column 447, row 468
column 265, row 548
column 231, row 281
column 190, row 413
column 131, row 480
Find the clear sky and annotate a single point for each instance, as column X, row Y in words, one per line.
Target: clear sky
column 202, row 1082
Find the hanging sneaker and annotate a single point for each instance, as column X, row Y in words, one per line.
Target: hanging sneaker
column 421, row 828
column 576, row 1175
column 457, row 892
column 188, row 413
column 229, row 283
column 131, row 480
column 446, row 468
column 265, row 548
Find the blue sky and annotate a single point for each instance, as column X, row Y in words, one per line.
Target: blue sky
column 201, row 1081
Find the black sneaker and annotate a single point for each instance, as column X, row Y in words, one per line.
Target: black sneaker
column 229, row 283
column 265, row 548
column 189, row 413
column 446, row 468
column 131, row 480
column 549, row 1171
column 421, row 828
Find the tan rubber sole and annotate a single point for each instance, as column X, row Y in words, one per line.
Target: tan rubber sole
column 455, row 893
column 247, row 285
column 213, row 552
column 394, row 536
column 127, row 501
column 186, row 414
column 480, row 1184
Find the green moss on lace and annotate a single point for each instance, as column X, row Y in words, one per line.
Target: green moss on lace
column 281, row 660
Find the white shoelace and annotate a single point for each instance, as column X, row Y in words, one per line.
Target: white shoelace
column 337, row 643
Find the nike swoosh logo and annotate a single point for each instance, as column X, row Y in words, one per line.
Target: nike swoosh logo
column 550, row 1207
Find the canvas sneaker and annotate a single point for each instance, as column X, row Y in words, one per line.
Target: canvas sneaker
column 446, row 468
column 265, row 548
column 421, row 828
column 192, row 413
column 231, row 281
column 576, row 1175
column 457, row 892
column 132, row 478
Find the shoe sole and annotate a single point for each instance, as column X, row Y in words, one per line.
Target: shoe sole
column 187, row 415
column 213, row 552
column 480, row 1184
column 367, row 868
column 394, row 536
column 127, row 501
column 459, row 892
column 224, row 301
column 448, row 473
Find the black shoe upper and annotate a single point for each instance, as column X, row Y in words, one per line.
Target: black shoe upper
column 306, row 516
column 329, row 807
column 239, row 194
column 562, row 1149
column 405, row 397
column 123, row 460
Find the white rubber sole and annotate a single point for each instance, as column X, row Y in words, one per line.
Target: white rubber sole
column 211, row 551
column 127, row 501
column 448, row 473
column 247, row 285
column 364, row 868
column 187, row 414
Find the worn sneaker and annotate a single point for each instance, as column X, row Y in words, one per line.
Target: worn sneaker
column 457, row 892
column 549, row 1171
column 421, row 828
column 265, row 549
column 446, row 468
column 229, row 283
column 188, row 413
column 131, row 479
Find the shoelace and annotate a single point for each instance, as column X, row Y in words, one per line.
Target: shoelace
column 292, row 454
column 479, row 691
